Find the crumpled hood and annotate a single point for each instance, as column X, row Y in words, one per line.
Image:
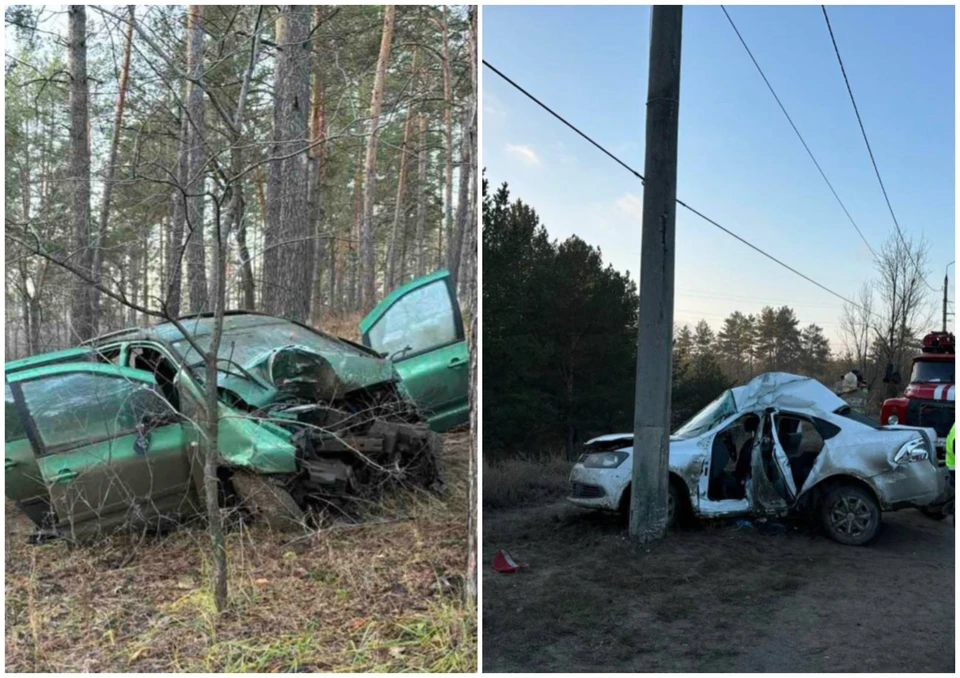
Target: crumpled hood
column 307, row 373
column 781, row 389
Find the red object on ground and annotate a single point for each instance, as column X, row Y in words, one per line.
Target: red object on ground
column 503, row 562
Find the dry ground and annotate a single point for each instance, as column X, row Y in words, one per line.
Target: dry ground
column 715, row 598
column 380, row 596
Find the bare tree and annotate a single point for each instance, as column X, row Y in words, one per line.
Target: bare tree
column 196, row 136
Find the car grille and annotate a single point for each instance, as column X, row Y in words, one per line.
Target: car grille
column 584, row 491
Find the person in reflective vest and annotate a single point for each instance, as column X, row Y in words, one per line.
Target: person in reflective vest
column 951, row 459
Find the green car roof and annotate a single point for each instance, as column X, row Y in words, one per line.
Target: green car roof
column 68, row 354
column 108, row 369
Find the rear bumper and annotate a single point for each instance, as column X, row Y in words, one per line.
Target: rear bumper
column 917, row 484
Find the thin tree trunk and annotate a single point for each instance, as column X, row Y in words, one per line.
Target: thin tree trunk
column 455, row 242
column 196, row 135
column 84, row 323
column 367, row 272
column 398, row 208
column 421, row 196
column 112, row 164
column 318, row 133
column 448, row 138
column 353, row 301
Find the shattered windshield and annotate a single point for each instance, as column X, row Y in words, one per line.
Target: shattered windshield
column 708, row 417
column 243, row 345
column 933, row 372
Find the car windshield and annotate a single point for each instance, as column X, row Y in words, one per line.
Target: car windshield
column 933, row 371
column 243, row 345
column 708, row 417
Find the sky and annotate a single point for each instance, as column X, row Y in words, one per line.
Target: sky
column 739, row 161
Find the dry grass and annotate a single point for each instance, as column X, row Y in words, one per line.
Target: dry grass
column 381, row 596
column 519, row 482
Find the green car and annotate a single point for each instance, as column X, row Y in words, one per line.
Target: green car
column 107, row 435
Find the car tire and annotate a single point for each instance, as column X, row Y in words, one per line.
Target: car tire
column 676, row 505
column 850, row 515
column 268, row 503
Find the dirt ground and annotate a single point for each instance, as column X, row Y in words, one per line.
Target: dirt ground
column 382, row 595
column 715, row 597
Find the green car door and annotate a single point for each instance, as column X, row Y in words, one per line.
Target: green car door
column 419, row 327
column 108, row 449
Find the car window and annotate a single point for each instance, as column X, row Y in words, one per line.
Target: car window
column 78, row 408
column 421, row 320
column 798, row 436
column 14, row 429
column 850, row 413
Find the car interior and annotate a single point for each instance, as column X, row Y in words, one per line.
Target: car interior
column 801, row 442
column 730, row 459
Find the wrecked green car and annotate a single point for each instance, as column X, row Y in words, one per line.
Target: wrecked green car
column 107, row 435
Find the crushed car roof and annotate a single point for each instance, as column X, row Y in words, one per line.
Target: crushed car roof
column 782, row 389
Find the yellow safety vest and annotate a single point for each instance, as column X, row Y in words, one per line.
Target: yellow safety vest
column 951, row 441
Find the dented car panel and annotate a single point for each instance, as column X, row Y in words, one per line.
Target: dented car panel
column 789, row 442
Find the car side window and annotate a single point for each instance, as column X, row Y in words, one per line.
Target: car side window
column 798, row 436
column 82, row 408
column 13, row 427
column 421, row 320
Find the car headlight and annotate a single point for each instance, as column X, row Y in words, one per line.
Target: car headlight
column 604, row 459
column 893, row 420
column 915, row 450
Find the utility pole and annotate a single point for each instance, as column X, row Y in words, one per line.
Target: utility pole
column 651, row 428
column 946, row 298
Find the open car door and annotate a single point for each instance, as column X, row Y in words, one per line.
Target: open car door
column 419, row 327
column 780, row 456
column 109, row 448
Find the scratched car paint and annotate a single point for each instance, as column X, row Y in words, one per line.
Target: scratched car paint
column 106, row 435
column 781, row 444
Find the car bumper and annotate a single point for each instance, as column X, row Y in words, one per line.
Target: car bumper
column 916, row 484
column 595, row 488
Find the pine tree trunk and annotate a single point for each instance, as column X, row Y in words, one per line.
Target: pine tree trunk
column 353, row 301
column 318, row 134
column 398, row 208
column 455, row 242
column 196, row 136
column 288, row 237
column 112, row 165
column 421, row 196
column 447, row 227
column 83, row 322
column 367, row 272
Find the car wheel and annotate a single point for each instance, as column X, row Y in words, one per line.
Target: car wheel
column 934, row 512
column 675, row 505
column 269, row 503
column 850, row 515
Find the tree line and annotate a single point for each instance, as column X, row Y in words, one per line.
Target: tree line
column 338, row 140
column 560, row 332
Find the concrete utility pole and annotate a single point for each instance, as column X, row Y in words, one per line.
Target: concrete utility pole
column 651, row 432
column 946, row 298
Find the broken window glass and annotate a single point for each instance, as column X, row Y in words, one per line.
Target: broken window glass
column 419, row 321
column 80, row 408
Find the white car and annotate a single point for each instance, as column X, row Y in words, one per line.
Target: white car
column 780, row 444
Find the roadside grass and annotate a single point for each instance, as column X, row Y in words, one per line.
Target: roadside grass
column 382, row 595
column 524, row 481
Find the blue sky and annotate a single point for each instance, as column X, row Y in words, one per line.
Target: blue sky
column 740, row 162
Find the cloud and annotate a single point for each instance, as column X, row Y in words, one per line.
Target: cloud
column 631, row 205
column 525, row 153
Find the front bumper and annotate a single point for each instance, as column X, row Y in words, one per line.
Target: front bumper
column 597, row 488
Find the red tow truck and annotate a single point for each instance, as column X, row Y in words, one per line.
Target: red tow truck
column 929, row 399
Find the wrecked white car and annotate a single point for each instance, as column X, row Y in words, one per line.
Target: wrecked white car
column 781, row 444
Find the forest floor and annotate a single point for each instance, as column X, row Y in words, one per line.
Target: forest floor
column 383, row 595
column 714, row 598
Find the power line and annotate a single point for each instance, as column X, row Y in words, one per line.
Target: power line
column 797, row 131
column 873, row 161
column 679, row 202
